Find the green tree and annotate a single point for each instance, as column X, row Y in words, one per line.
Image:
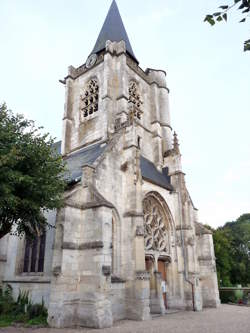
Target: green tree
column 31, row 176
column 232, row 251
column 222, row 249
column 222, row 15
column 240, row 231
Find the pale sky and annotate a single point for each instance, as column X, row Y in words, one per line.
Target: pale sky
column 208, row 77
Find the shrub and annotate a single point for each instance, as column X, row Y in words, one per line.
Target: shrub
column 7, row 303
column 37, row 310
column 22, row 310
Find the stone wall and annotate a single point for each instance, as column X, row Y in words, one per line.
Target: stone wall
column 38, row 284
column 208, row 276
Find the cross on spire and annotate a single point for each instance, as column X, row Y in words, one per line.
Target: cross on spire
column 113, row 29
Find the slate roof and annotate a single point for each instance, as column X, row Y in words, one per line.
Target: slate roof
column 113, row 29
column 151, row 174
column 76, row 161
column 88, row 155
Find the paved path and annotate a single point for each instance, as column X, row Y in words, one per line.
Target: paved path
column 225, row 319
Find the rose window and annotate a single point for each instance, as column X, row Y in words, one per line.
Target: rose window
column 155, row 231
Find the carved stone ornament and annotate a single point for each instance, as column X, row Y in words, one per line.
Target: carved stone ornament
column 139, row 231
column 91, row 60
column 142, row 275
column 155, row 231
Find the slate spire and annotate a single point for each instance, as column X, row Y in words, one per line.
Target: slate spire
column 113, row 29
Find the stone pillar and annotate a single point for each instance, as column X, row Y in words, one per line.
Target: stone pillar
column 137, row 286
column 208, row 276
column 156, row 299
column 80, row 286
column 138, row 308
column 67, row 117
column 162, row 115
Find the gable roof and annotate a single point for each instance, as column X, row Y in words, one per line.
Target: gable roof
column 88, row 155
column 113, row 29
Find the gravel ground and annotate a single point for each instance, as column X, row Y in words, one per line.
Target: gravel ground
column 225, row 319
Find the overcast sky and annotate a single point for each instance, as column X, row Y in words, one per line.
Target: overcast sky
column 208, row 76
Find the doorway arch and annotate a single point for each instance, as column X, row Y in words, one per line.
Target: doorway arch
column 158, row 239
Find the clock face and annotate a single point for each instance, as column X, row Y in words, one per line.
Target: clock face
column 91, row 60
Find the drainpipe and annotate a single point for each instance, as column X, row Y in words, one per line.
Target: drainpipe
column 184, row 252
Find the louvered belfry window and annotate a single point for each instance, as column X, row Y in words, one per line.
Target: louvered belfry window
column 34, row 255
column 135, row 101
column 89, row 99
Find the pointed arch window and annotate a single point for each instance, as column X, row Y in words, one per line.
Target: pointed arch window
column 135, row 100
column 34, row 255
column 156, row 235
column 89, row 99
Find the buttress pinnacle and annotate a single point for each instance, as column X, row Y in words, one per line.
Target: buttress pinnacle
column 176, row 144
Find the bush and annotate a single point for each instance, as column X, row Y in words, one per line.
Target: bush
column 22, row 310
column 7, row 303
column 37, row 310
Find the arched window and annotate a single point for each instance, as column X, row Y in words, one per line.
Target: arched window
column 156, row 234
column 135, row 101
column 34, row 255
column 89, row 99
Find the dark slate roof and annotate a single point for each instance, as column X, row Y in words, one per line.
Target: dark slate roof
column 113, row 29
column 88, row 155
column 76, row 161
column 151, row 174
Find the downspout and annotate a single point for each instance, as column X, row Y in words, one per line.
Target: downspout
column 184, row 252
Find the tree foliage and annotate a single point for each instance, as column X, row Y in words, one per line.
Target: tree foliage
column 31, row 181
column 232, row 251
column 222, row 15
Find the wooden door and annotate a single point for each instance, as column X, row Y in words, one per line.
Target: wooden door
column 162, row 270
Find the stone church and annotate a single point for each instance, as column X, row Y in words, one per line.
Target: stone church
column 128, row 243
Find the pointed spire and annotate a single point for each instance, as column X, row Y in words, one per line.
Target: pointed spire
column 113, row 29
column 176, row 144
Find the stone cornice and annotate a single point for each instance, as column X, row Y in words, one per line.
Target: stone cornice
column 28, row 279
column 89, row 205
column 132, row 213
column 82, row 246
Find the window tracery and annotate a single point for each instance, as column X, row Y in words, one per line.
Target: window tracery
column 135, row 101
column 89, row 99
column 155, row 230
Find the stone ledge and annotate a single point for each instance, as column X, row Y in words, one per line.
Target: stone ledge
column 117, row 279
column 28, row 279
column 205, row 258
column 83, row 246
column 132, row 213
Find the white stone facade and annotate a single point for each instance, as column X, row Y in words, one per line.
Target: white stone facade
column 124, row 245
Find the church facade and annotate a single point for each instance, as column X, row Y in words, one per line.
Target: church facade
column 127, row 243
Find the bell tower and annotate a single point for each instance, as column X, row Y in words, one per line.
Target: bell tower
column 110, row 90
column 93, row 90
